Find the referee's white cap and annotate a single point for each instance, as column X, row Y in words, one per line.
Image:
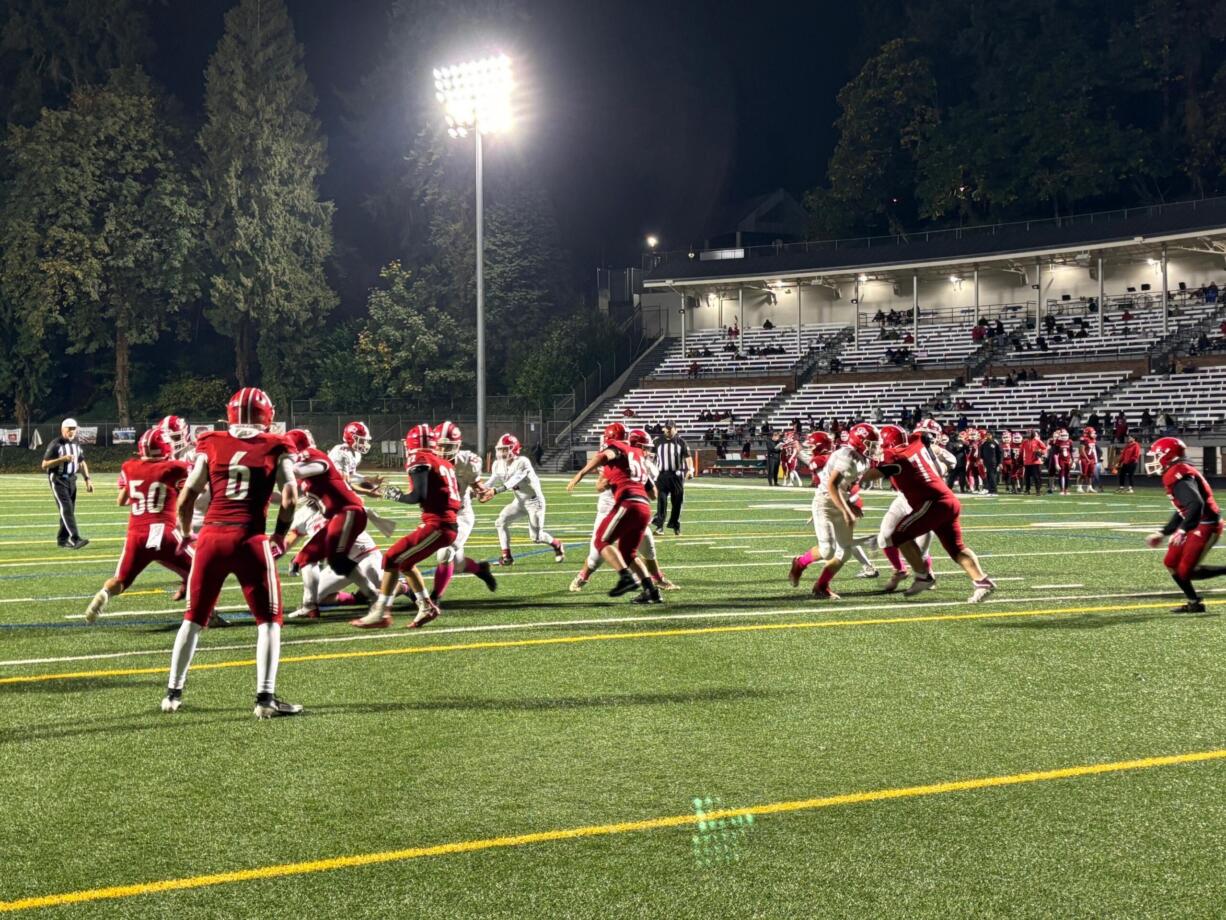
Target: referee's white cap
column 69, row 423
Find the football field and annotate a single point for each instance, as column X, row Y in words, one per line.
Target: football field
column 741, row 750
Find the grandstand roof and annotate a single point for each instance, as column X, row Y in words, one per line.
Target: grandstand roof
column 1138, row 231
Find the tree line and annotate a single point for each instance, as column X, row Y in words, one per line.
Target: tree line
column 163, row 257
column 1008, row 109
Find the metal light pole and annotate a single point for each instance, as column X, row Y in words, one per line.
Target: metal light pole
column 476, row 97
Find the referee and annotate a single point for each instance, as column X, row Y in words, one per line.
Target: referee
column 62, row 461
column 676, row 464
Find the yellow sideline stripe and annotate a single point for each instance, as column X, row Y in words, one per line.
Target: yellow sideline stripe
column 359, row 860
column 604, row 637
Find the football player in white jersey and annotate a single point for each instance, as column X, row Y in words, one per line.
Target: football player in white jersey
column 834, row 512
column 513, row 472
column 468, row 476
column 346, row 456
column 604, row 506
column 320, row 584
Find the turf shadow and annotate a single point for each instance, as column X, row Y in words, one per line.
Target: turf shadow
column 1091, row 621
column 543, row 704
column 151, row 720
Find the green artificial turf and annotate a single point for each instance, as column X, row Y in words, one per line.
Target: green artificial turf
column 1081, row 663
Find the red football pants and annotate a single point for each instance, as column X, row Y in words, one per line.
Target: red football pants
column 1187, row 550
column 422, row 543
column 222, row 551
column 139, row 551
column 941, row 517
column 624, row 527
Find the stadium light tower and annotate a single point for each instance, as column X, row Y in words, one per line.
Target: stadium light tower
column 476, row 98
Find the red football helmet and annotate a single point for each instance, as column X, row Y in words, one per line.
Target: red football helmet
column 299, row 440
column 930, row 427
column 155, row 444
column 1089, row 433
column 250, row 406
column 508, row 446
column 1164, row 452
column 615, row 431
column 864, row 438
column 892, row 436
column 419, row 437
column 1018, row 437
column 1060, row 436
column 640, row 438
column 357, row 436
column 449, row 438
column 819, row 443
column 177, row 432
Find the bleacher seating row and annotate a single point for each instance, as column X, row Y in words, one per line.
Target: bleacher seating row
column 939, row 345
column 1000, row 407
column 722, row 363
column 860, row 400
column 1196, row 400
column 683, row 406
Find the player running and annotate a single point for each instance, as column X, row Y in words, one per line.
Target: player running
column 835, row 512
column 618, row 537
column 467, row 467
column 149, row 484
column 915, row 472
column 433, row 486
column 513, row 472
column 604, row 505
column 242, row 467
column 1195, row 526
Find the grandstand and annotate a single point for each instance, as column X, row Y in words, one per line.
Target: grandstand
column 1196, row 400
column 855, row 400
column 1000, row 407
column 710, row 349
column 653, row 406
column 940, row 344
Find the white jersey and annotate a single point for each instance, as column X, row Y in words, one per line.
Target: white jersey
column 345, row 459
column 467, row 472
column 518, row 476
column 850, row 463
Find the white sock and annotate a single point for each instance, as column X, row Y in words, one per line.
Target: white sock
column 310, row 586
column 420, row 595
column 385, row 600
column 858, row 551
column 545, row 537
column 181, row 657
column 267, row 657
column 369, row 574
column 593, row 561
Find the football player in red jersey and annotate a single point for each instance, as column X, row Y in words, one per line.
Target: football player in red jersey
column 625, row 469
column 1087, row 459
column 1195, row 526
column 433, row 486
column 149, row 484
column 1062, row 448
column 344, row 511
column 915, row 472
column 242, row 466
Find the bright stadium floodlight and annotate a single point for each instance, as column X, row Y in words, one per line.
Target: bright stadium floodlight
column 652, row 241
column 476, row 98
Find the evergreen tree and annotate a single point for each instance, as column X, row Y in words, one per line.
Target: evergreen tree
column 100, row 231
column 267, row 232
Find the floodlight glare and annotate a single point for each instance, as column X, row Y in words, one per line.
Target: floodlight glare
column 476, row 96
column 652, row 241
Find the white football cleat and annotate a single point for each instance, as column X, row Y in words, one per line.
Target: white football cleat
column 577, row 584
column 304, row 612
column 171, row 703
column 982, row 590
column 377, row 617
column 895, row 579
column 867, row 571
column 96, row 606
column 920, row 585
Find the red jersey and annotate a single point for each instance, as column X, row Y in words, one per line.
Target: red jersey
column 816, row 464
column 626, row 472
column 1064, row 454
column 919, row 479
column 153, row 489
column 1182, row 470
column 1032, row 451
column 442, row 491
column 1131, row 453
column 1087, row 451
column 328, row 486
column 242, row 476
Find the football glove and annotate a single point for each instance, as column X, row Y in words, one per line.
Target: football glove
column 392, row 494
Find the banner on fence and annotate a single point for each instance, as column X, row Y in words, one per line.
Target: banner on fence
column 88, row 435
column 10, row 437
column 123, row 436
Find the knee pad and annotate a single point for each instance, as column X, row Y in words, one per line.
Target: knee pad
column 341, row 565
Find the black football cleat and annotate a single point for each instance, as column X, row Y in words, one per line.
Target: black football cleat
column 676, row 529
column 649, row 595
column 486, row 574
column 1190, row 607
column 79, row 544
column 268, row 706
column 625, row 584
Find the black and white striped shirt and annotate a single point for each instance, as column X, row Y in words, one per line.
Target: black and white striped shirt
column 671, row 454
column 62, row 447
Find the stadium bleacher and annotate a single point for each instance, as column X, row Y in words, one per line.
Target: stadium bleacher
column 721, row 363
column 941, row 344
column 652, row 406
column 1196, row 400
column 1001, row 407
column 856, row 400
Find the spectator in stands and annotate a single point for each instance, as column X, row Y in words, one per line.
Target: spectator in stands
column 1168, row 422
column 908, row 339
column 628, row 412
column 707, row 353
column 977, row 334
column 734, row 330
column 1120, row 428
column 1009, row 381
column 1147, row 422
column 768, row 324
column 1095, row 421
column 963, row 422
column 1128, row 331
column 1202, row 343
column 879, row 317
column 1127, row 317
column 1081, row 333
column 1049, row 323
column 693, row 370
column 1041, row 343
column 1211, row 294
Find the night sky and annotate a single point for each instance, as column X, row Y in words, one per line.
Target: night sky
column 647, row 116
